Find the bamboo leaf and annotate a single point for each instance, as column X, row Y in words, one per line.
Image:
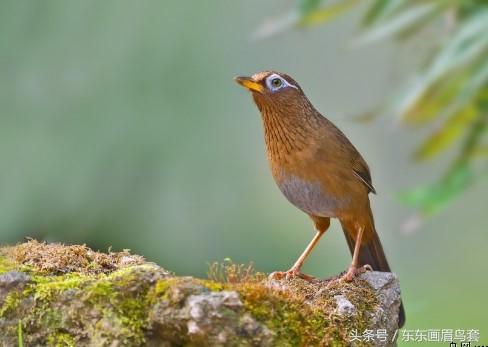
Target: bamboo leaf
column 431, row 199
column 479, row 152
column 327, row 13
column 447, row 97
column 307, row 6
column 443, row 138
column 467, row 45
column 476, row 85
column 397, row 23
column 380, row 10
column 434, row 100
column 421, row 24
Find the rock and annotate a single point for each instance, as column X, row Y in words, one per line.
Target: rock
column 12, row 280
column 387, row 288
column 141, row 304
column 344, row 306
column 216, row 319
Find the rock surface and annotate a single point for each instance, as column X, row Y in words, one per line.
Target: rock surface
column 96, row 299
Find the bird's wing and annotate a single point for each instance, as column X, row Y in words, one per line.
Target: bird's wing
column 340, row 147
column 361, row 171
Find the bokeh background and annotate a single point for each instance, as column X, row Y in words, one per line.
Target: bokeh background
column 121, row 126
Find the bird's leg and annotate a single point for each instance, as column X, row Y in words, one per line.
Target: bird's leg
column 354, row 269
column 295, row 270
column 299, row 263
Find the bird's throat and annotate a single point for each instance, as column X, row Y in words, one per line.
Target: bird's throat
column 285, row 135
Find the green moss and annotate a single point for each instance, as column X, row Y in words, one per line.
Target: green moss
column 106, row 307
column 44, row 288
column 12, row 300
column 365, row 301
column 121, row 297
column 159, row 291
column 61, row 340
column 114, row 296
column 168, row 289
column 212, row 285
column 7, row 265
column 282, row 313
column 302, row 323
column 291, row 313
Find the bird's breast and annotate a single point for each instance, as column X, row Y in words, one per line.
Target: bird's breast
column 310, row 196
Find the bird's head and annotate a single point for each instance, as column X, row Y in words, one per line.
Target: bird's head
column 274, row 91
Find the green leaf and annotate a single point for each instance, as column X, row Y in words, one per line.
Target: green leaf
column 380, row 10
column 431, row 199
column 308, row 13
column 327, row 13
column 397, row 23
column 467, row 45
column 433, row 101
column 444, row 137
column 450, row 95
column 412, row 30
column 479, row 152
column 307, row 6
column 476, row 84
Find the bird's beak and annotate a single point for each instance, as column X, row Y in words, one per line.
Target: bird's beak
column 249, row 83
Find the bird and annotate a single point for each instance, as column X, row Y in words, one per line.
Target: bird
column 318, row 170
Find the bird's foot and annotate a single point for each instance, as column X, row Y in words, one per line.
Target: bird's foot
column 354, row 271
column 292, row 273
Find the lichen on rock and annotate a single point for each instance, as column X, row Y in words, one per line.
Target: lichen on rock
column 72, row 296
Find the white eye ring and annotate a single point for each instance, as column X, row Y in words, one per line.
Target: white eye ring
column 284, row 83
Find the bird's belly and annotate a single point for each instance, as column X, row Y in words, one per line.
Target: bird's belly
column 309, row 196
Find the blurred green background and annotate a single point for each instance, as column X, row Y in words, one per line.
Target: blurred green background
column 121, row 126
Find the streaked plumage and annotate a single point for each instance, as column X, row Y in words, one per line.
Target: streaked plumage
column 317, row 168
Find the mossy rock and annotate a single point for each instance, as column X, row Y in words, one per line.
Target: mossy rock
column 57, row 295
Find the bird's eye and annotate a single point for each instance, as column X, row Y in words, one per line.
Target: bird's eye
column 276, row 82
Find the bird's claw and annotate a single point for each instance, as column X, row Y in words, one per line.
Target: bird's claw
column 354, row 271
column 290, row 274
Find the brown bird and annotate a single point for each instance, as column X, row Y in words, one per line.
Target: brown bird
column 318, row 170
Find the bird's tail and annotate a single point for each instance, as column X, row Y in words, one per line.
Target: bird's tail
column 371, row 252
